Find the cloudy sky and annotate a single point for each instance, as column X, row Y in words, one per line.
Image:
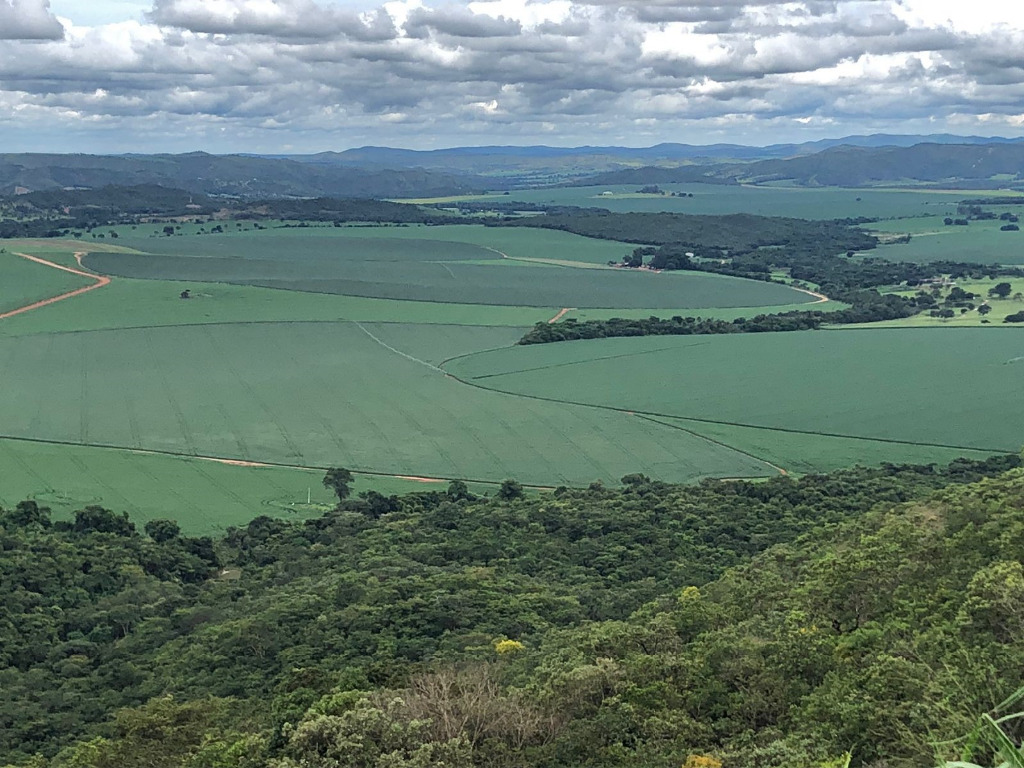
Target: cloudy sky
column 310, row 75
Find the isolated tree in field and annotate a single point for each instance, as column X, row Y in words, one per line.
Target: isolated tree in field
column 510, row 489
column 984, row 309
column 1002, row 290
column 338, row 480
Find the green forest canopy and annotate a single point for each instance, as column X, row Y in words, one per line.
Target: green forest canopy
column 875, row 611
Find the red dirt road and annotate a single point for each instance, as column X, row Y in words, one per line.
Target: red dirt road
column 100, row 282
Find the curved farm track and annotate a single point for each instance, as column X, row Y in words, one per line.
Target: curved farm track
column 100, row 281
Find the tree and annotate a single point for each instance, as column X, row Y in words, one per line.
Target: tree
column 94, row 519
column 168, row 230
column 338, row 480
column 28, row 513
column 510, row 489
column 378, row 504
column 458, row 490
column 984, row 309
column 1002, row 290
column 162, row 530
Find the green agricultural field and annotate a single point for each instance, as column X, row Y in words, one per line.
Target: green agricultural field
column 343, row 261
column 144, row 303
column 203, row 496
column 798, row 202
column 273, row 241
column 804, row 453
column 320, row 394
column 454, row 282
column 952, row 387
column 23, row 282
column 341, row 368
column 981, row 242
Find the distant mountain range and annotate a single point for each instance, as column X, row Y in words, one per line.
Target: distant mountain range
column 974, row 166
column 234, row 175
column 543, row 164
column 382, row 172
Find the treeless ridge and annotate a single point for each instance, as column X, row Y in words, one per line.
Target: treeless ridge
column 101, row 281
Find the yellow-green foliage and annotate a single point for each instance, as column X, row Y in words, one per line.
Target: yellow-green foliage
column 508, row 647
column 702, row 761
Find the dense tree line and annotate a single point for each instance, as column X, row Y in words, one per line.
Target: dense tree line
column 339, row 210
column 740, row 232
column 760, row 624
column 881, row 308
column 756, row 248
column 57, row 213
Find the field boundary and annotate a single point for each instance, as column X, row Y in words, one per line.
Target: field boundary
column 680, row 427
column 251, row 464
column 788, row 430
column 399, row 352
column 101, row 280
column 574, row 362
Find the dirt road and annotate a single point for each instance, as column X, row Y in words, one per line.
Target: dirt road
column 100, row 282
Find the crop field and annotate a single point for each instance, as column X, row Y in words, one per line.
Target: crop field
column 23, row 282
column 981, row 242
column 203, row 496
column 145, row 303
column 798, row 202
column 320, row 394
column 803, row 452
column 391, row 351
column 455, row 282
column 276, row 240
column 945, row 388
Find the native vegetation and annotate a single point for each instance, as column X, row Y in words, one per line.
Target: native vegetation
column 648, row 624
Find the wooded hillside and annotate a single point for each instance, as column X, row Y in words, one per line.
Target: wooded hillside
column 876, row 611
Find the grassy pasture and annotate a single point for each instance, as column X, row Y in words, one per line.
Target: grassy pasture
column 203, row 496
column 320, row 394
column 24, row 282
column 950, row 387
column 1000, row 308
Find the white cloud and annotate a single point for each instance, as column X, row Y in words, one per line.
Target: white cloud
column 326, row 73
column 28, row 20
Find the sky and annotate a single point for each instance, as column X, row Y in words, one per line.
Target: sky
column 296, row 76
